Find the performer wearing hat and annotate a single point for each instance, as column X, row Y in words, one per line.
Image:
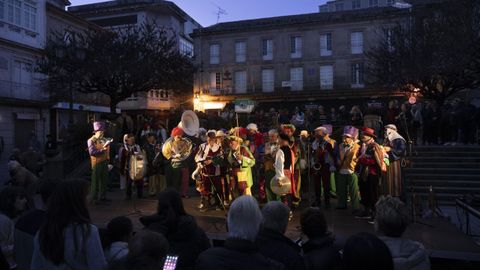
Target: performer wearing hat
column 208, row 159
column 129, row 149
column 155, row 166
column 240, row 161
column 223, row 141
column 99, row 151
column 346, row 181
column 176, row 149
column 371, row 167
column 285, row 166
column 289, row 130
column 256, row 147
column 396, row 146
column 271, row 148
column 323, row 163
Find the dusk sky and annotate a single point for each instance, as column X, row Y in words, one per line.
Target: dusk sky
column 204, row 11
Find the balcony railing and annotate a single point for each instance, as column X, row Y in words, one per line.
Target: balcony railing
column 9, row 89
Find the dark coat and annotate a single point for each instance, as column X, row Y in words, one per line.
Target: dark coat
column 236, row 254
column 321, row 253
column 280, row 248
column 187, row 240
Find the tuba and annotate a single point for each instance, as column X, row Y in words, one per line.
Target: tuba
column 178, row 151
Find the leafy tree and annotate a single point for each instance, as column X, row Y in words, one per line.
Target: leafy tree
column 117, row 63
column 432, row 53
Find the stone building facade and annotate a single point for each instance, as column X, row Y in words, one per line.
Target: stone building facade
column 303, row 58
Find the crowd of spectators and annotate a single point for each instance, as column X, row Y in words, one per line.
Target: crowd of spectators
column 59, row 234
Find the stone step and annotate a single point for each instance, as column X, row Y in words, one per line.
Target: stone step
column 442, row 176
column 444, row 154
column 446, row 148
column 443, row 158
column 442, row 183
column 471, row 165
column 442, row 198
column 445, row 170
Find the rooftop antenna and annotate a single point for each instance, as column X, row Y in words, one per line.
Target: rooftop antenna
column 220, row 11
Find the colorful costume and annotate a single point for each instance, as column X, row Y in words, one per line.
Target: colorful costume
column 285, row 167
column 398, row 147
column 346, row 181
column 155, row 169
column 240, row 163
column 210, row 174
column 125, row 154
column 371, row 167
column 99, row 151
column 296, row 175
column 177, row 173
column 271, row 149
column 323, row 162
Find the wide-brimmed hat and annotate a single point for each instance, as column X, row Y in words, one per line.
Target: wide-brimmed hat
column 368, row 132
column 391, row 126
column 252, row 126
column 288, row 126
column 99, row 126
column 235, row 138
column 211, row 133
column 220, row 133
column 350, row 131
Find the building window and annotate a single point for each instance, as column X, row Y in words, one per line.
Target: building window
column 390, row 2
column 296, row 47
column 373, row 3
column 324, row 8
column 268, row 80
column 326, row 77
column 339, row 7
column 267, row 48
column 186, row 47
column 240, row 51
column 326, row 44
column 390, row 41
column 240, row 82
column 356, row 4
column 356, row 42
column 2, row 9
column 296, row 79
column 357, row 75
column 215, row 54
column 22, row 73
column 29, row 16
column 14, row 9
column 215, row 81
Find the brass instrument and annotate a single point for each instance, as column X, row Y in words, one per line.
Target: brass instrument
column 317, row 166
column 179, row 150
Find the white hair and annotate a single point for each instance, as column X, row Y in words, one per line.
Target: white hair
column 275, row 216
column 272, row 132
column 244, row 218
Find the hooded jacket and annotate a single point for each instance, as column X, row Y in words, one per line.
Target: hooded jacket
column 407, row 254
column 186, row 240
column 321, row 253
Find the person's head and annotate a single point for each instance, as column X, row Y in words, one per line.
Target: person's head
column 211, row 137
column 151, row 138
column 313, row 223
column 366, row 251
column 120, row 229
column 391, row 217
column 252, row 128
column 129, row 139
column 177, row 133
column 284, row 140
column 12, row 201
column 244, row 218
column 67, row 205
column 149, row 244
column 304, row 135
column 320, row 132
column 275, row 216
column 46, row 189
column 235, row 142
column 321, row 110
column 273, row 135
column 332, row 110
column 124, row 114
column 170, row 207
